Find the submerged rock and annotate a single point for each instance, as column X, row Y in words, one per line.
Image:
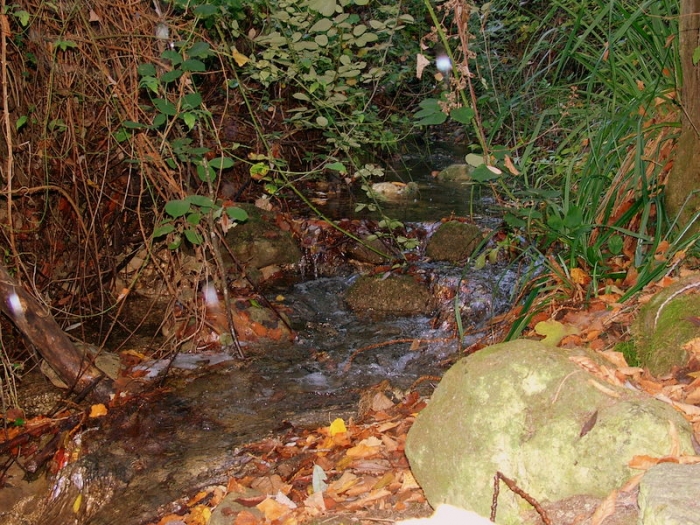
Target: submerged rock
column 453, row 241
column 456, row 173
column 393, row 190
column 396, row 294
column 528, row 411
column 260, row 242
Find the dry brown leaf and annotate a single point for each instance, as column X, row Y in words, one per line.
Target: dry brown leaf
column 675, row 440
column 272, row 509
column 365, row 448
column 369, row 498
column 381, row 403
column 606, row 390
column 345, row 482
column 632, row 483
column 646, row 462
column 364, row 486
column 315, row 503
column 616, row 358
column 408, row 482
column 245, row 517
column 605, row 509
column 693, row 347
column 510, row 166
column 693, row 396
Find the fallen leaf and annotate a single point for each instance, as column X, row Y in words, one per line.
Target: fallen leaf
column 272, row 509
column 245, row 517
column 337, row 427
column 315, row 502
column 554, row 331
column 98, row 410
column 605, row 509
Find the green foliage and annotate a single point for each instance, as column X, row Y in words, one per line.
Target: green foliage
column 171, row 109
column 186, row 215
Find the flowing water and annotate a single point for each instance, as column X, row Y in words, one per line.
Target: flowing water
column 186, row 437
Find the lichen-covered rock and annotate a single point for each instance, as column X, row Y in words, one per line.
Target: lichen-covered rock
column 397, row 295
column 664, row 325
column 528, row 411
column 669, row 494
column 453, row 241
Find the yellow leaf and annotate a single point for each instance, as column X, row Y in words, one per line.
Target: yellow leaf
column 98, row 410
column 240, row 58
column 337, row 427
column 76, row 504
column 554, row 331
column 199, row 515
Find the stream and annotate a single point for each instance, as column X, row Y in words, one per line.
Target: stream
column 148, row 454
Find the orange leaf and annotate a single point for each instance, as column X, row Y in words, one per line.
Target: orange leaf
column 272, row 509
column 245, row 517
column 98, row 410
column 605, row 509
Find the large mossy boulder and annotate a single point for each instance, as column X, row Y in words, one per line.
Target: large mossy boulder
column 530, row 412
column 453, row 241
column 665, row 324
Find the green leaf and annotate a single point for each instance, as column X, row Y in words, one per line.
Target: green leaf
column 574, row 218
column 322, row 121
column 175, row 244
column 463, row 115
column 221, row 163
column 325, row 7
column 174, row 57
column 150, row 83
column 259, row 170
column 170, row 76
column 192, row 64
column 483, row 173
column 615, row 244
column 177, row 208
column 146, row 70
column 430, row 113
column 323, row 25
column 21, row 121
column 205, row 10
column 190, row 119
column 337, row 166
column 159, row 120
column 165, row 229
column 696, row 56
column 130, row 124
column 200, row 200
column 194, row 218
column 165, row 107
column 206, row 173
column 193, row 237
column 22, row 16
column 191, row 101
column 199, row 50
column 474, row 160
column 237, row 214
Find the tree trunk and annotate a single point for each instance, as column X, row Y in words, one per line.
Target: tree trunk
column 42, row 331
column 685, row 176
